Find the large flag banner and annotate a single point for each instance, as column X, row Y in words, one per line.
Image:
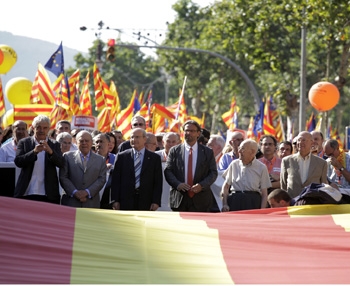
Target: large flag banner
column 42, row 243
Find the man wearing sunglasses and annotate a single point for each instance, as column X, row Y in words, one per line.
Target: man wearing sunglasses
column 136, row 122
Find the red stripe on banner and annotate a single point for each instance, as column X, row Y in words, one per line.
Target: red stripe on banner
column 39, row 248
column 278, row 249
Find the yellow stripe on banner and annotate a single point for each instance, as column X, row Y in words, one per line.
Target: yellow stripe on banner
column 308, row 210
column 339, row 213
column 342, row 220
column 122, row 247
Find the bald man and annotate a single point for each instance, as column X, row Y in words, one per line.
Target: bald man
column 301, row 169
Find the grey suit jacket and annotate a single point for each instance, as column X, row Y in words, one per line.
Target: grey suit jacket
column 290, row 176
column 205, row 175
column 74, row 177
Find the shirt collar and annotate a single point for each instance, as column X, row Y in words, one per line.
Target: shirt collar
column 194, row 147
column 142, row 151
column 302, row 158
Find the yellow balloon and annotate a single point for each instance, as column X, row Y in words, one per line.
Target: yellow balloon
column 9, row 59
column 7, row 118
column 18, row 90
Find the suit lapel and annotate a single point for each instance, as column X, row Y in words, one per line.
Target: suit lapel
column 78, row 160
column 146, row 161
column 200, row 160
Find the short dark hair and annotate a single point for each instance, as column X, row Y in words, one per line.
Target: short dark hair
column 206, row 133
column 268, row 136
column 286, row 142
column 192, row 122
column 278, row 195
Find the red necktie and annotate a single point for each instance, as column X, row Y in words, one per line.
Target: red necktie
column 189, row 173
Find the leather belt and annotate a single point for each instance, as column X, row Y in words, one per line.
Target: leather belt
column 242, row 192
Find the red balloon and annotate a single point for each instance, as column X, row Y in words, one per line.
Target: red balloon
column 323, row 96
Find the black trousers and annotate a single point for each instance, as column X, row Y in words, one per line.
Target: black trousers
column 244, row 200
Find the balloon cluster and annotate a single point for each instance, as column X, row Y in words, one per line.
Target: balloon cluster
column 17, row 89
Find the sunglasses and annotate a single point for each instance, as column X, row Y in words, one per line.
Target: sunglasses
column 138, row 124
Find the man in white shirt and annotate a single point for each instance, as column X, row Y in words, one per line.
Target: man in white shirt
column 246, row 181
column 8, row 150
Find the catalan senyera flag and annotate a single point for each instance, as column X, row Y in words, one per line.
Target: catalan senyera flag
column 42, row 92
column 103, row 96
column 104, row 120
column 27, row 112
column 85, row 98
column 2, row 100
column 58, row 113
column 61, row 88
column 272, row 120
column 142, row 247
column 124, row 118
column 115, row 108
column 230, row 117
column 268, row 126
column 74, row 90
column 250, row 132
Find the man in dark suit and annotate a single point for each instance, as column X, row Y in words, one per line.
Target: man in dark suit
column 83, row 175
column 132, row 189
column 195, row 196
column 38, row 156
column 136, row 122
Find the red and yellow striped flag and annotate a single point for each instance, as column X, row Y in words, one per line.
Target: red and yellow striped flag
column 142, row 247
column 230, row 117
column 27, row 112
column 85, row 98
column 42, row 92
column 2, row 100
column 73, row 82
column 103, row 96
column 125, row 116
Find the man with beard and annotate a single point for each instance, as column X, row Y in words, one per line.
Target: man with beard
column 190, row 171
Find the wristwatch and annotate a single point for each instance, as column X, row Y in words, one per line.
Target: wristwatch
column 341, row 169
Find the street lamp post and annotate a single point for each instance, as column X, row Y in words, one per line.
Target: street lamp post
column 225, row 59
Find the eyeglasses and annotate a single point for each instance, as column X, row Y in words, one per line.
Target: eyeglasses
column 137, row 124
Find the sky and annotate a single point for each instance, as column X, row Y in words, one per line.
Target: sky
column 56, row 21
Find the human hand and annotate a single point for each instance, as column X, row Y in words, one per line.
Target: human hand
column 183, row 187
column 154, row 207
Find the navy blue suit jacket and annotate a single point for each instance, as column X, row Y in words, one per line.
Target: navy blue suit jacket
column 123, row 180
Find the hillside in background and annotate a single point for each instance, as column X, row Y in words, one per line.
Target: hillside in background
column 30, row 52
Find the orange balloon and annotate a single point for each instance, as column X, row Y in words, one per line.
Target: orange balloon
column 323, row 96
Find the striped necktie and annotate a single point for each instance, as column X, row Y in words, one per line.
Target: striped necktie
column 137, row 165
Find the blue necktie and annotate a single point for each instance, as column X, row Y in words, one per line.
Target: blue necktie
column 137, row 165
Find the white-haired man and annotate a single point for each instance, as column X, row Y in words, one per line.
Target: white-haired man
column 246, row 181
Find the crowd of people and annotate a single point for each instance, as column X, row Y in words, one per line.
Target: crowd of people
column 78, row 168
